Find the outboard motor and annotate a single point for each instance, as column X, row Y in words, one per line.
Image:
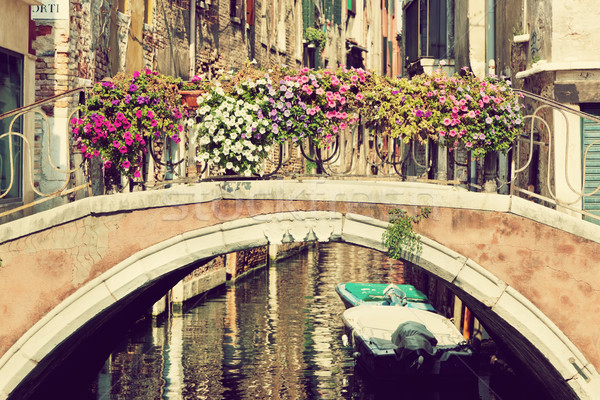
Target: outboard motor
column 394, row 296
column 415, row 344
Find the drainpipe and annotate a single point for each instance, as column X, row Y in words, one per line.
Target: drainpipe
column 192, row 38
column 490, row 163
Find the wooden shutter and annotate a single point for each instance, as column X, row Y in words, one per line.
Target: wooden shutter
column 250, row 12
column 337, row 12
column 591, row 134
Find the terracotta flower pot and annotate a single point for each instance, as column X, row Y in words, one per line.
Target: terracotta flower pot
column 189, row 98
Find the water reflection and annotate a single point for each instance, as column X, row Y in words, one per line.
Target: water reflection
column 275, row 335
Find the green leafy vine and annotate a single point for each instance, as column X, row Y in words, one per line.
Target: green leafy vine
column 400, row 236
column 316, row 37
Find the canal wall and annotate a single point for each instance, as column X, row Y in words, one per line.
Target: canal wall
column 222, row 269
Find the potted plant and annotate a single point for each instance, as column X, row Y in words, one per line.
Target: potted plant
column 190, row 91
column 122, row 116
column 315, row 38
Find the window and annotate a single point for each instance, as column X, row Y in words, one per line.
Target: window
column 426, row 29
column 11, row 98
column 236, row 8
column 352, row 7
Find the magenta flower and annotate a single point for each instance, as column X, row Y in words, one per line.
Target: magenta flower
column 126, row 164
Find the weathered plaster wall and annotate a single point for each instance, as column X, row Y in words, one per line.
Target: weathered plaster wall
column 14, row 25
column 575, row 36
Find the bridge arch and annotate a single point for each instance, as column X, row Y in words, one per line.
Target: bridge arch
column 532, row 335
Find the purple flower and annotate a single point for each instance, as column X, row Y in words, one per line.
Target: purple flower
column 418, row 113
column 115, row 102
column 133, row 87
column 108, row 84
column 289, row 95
column 143, row 99
column 275, row 128
column 395, row 91
column 428, row 114
column 127, row 99
column 286, row 113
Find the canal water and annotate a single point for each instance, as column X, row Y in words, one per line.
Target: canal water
column 276, row 334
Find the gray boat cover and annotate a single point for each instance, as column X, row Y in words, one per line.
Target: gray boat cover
column 413, row 337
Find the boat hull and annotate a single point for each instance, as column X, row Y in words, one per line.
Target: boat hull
column 381, row 358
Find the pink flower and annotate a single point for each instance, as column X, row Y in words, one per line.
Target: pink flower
column 138, row 114
column 452, row 132
column 442, row 133
column 126, row 164
column 471, row 114
column 123, row 149
column 469, row 144
column 359, row 97
column 447, row 121
column 107, row 164
column 320, row 91
column 150, row 114
column 442, row 99
column 137, row 173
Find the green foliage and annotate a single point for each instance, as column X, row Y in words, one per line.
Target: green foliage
column 400, row 236
column 316, row 37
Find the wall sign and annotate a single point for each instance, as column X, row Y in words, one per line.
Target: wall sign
column 51, row 9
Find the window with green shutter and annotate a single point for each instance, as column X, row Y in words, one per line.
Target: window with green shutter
column 426, row 29
column 337, row 12
column 590, row 139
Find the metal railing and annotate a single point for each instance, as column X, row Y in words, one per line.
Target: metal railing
column 28, row 150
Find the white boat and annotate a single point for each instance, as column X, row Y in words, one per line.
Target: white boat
column 389, row 342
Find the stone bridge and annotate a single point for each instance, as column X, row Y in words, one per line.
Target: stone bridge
column 530, row 274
